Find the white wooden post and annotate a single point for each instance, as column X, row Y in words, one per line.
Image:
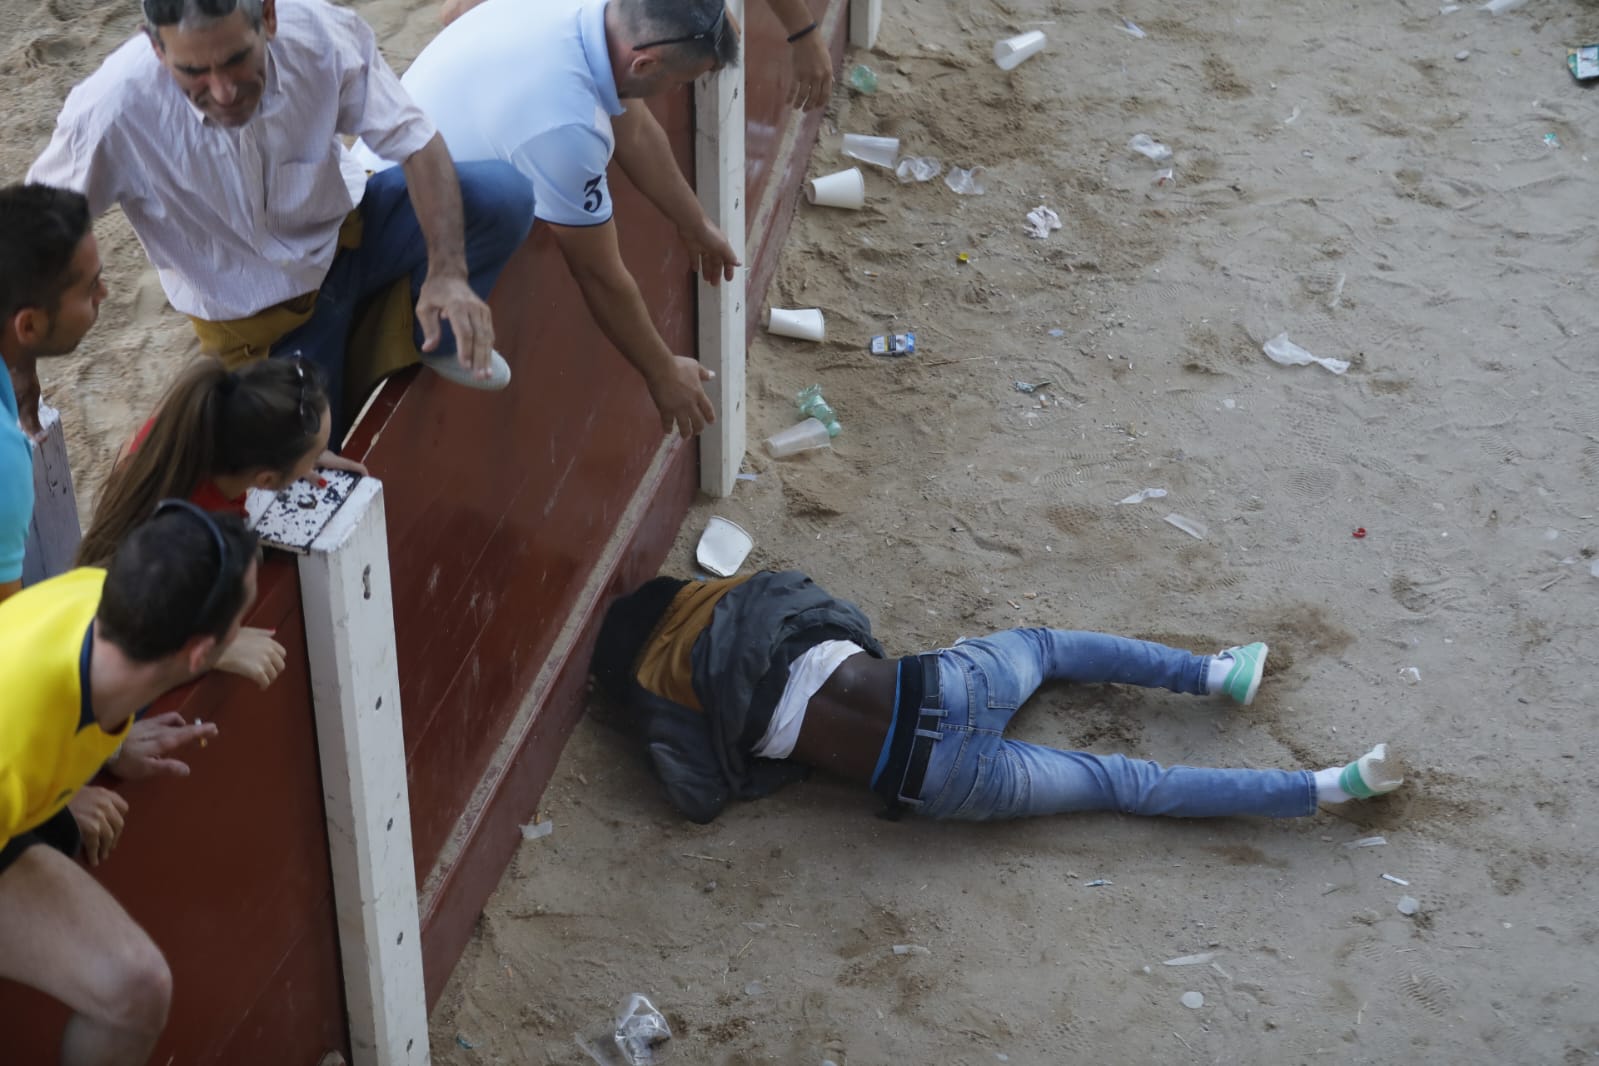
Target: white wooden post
column 355, row 687
column 719, row 175
column 54, row 533
column 865, row 17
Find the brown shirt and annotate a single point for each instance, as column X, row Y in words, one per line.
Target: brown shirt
column 666, row 666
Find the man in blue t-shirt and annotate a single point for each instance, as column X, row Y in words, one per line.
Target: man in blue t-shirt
column 556, row 89
column 50, row 293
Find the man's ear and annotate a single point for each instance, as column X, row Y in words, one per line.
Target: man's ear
column 269, row 18
column 31, row 325
column 199, row 654
column 644, row 65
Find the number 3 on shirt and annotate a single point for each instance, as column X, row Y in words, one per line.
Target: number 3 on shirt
column 592, row 197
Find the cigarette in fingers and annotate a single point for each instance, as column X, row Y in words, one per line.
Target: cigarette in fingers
column 198, row 723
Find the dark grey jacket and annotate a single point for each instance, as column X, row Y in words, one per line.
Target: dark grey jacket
column 741, row 663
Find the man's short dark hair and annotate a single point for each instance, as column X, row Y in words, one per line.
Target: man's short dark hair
column 40, row 230
column 158, row 13
column 669, row 20
column 161, row 577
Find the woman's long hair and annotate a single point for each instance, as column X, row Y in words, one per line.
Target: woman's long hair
column 213, row 421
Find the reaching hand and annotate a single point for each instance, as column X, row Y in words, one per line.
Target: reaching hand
column 813, row 72
column 452, row 299
column 333, row 461
column 253, row 655
column 681, row 399
column 711, row 253
column 99, row 813
column 144, row 752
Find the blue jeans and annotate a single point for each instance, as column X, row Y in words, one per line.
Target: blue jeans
column 497, row 207
column 974, row 772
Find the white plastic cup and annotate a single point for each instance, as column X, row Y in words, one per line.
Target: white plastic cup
column 1013, row 51
column 878, row 151
column 800, row 437
column 806, row 324
column 846, row 189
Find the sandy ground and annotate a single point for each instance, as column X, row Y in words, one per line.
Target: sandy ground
column 1339, row 175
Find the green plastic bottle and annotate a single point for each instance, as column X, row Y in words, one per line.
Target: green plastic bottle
column 863, row 79
column 811, row 405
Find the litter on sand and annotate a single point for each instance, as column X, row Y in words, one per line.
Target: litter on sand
column 1194, row 529
column 1367, row 842
column 1408, row 905
column 1190, row 960
column 535, row 830
column 1028, row 386
column 910, row 949
column 966, row 182
column 1098, row 882
column 1396, row 880
column 1193, row 1000
column 1131, row 28
column 1142, row 495
column 1040, row 221
column 1285, row 352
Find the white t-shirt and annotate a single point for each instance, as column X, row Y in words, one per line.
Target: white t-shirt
column 806, row 676
column 529, row 83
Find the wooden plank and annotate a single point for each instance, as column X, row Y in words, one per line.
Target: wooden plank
column 865, row 19
column 54, row 533
column 355, row 690
column 719, row 178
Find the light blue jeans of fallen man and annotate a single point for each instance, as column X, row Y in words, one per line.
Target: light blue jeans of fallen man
column 975, row 772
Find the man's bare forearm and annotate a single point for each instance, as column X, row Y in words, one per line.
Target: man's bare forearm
column 436, row 197
column 645, row 156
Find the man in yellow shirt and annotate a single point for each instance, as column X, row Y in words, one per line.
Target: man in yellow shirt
column 81, row 656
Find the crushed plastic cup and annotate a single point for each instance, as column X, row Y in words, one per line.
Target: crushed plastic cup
column 1408, row 905
column 1283, row 351
column 1142, row 495
column 918, row 168
column 1130, row 27
column 806, row 324
column 1041, row 221
column 800, row 437
column 845, row 189
column 966, row 182
column 1149, row 148
column 878, row 151
column 632, row 1038
column 1012, row 52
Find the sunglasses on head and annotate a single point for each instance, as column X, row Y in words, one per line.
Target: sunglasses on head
column 213, row 597
column 712, row 33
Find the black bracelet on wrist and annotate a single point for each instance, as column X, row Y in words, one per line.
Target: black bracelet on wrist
column 796, row 36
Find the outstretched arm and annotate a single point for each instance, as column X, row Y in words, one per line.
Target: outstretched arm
column 618, row 307
column 812, row 65
column 446, row 294
column 645, row 156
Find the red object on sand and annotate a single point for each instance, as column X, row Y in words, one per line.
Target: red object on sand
column 1360, row 534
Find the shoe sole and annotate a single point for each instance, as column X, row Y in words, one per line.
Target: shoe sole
column 1393, row 767
column 447, row 368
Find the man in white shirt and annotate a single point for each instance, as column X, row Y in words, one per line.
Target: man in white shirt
column 219, row 138
column 542, row 86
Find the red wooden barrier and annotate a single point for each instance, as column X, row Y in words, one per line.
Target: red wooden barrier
column 501, row 509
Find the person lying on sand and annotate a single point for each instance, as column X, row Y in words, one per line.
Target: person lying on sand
column 738, row 686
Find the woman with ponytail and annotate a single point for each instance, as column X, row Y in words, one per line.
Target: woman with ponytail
column 218, row 434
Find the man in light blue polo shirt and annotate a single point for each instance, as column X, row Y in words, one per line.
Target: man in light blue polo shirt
column 50, row 293
column 555, row 89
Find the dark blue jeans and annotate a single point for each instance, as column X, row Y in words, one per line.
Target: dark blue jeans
column 975, row 772
column 497, row 206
